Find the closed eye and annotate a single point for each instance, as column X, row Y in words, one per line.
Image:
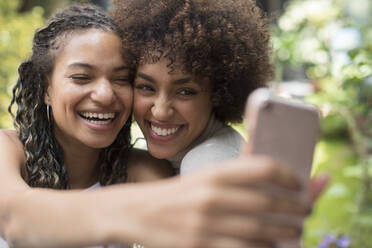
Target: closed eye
column 122, row 80
column 80, row 78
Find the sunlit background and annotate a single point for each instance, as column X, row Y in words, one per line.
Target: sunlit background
column 322, row 50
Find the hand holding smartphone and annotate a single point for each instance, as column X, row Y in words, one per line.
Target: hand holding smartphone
column 282, row 129
column 286, row 131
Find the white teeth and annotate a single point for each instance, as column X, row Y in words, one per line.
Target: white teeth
column 101, row 116
column 100, row 122
column 163, row 131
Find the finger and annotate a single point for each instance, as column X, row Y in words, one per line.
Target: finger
column 318, row 184
column 249, row 170
column 245, row 149
column 251, row 228
column 225, row 242
column 251, row 201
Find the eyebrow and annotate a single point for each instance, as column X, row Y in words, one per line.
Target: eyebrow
column 120, row 68
column 88, row 66
column 177, row 81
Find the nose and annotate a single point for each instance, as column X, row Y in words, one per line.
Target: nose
column 162, row 108
column 103, row 92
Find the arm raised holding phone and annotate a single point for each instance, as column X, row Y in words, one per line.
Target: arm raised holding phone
column 286, row 130
column 213, row 208
column 240, row 203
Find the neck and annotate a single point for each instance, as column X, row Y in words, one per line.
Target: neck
column 81, row 162
column 82, row 167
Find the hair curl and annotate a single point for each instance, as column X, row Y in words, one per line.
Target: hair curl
column 226, row 41
column 44, row 155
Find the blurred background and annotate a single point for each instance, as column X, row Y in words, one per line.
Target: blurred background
column 322, row 50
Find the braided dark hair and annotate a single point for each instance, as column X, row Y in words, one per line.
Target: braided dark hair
column 44, row 155
column 226, row 41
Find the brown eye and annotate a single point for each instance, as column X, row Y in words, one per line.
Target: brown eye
column 144, row 88
column 187, row 92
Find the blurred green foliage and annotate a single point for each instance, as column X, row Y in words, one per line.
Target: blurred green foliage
column 331, row 41
column 16, row 32
column 333, row 213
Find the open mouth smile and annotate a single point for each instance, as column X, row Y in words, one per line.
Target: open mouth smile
column 165, row 130
column 98, row 118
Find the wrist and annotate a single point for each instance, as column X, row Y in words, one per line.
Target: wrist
column 114, row 215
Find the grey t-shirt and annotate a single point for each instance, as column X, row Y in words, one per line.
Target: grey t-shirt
column 3, row 244
column 217, row 142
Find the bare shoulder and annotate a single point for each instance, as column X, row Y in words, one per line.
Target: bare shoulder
column 9, row 141
column 142, row 167
column 10, row 137
column 12, row 158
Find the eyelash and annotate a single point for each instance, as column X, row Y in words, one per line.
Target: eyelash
column 184, row 92
column 143, row 87
column 122, row 80
column 187, row 92
column 80, row 78
column 83, row 78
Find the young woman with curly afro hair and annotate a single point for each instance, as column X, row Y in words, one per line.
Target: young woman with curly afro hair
column 197, row 61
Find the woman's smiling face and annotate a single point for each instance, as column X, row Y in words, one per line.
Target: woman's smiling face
column 170, row 107
column 89, row 90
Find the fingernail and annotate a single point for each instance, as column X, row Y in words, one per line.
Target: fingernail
column 309, row 211
column 300, row 231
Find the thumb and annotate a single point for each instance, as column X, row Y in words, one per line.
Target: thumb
column 318, row 185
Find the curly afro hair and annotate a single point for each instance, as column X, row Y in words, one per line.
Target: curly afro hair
column 225, row 41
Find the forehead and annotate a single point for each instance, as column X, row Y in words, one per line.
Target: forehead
column 162, row 73
column 162, row 66
column 90, row 45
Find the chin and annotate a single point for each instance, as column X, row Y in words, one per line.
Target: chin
column 161, row 154
column 100, row 144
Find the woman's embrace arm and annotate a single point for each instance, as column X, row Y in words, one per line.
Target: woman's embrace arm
column 35, row 217
column 11, row 181
column 193, row 211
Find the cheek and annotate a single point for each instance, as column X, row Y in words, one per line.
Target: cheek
column 194, row 114
column 198, row 117
column 141, row 105
column 198, row 111
column 63, row 97
column 126, row 97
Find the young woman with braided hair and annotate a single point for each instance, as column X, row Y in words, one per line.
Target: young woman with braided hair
column 77, row 69
column 36, row 95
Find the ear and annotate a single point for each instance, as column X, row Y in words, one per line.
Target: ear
column 46, row 95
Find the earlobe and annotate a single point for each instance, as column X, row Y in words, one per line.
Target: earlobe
column 46, row 99
column 47, row 103
column 46, row 95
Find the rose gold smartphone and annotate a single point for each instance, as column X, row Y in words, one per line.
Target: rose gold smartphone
column 283, row 129
column 287, row 131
